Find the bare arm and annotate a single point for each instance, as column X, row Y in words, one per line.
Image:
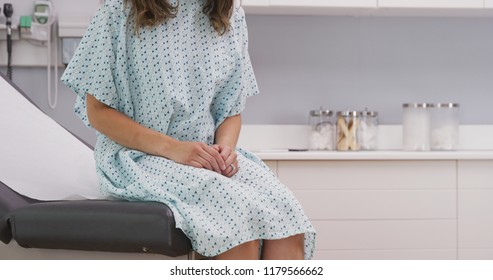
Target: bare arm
column 229, row 132
column 226, row 138
column 126, row 132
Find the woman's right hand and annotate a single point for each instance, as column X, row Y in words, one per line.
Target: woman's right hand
column 198, row 155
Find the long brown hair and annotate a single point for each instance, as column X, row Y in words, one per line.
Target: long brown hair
column 148, row 13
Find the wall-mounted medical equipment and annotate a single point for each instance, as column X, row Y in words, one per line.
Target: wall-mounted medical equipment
column 42, row 11
column 38, row 29
column 38, row 26
column 8, row 11
column 41, row 30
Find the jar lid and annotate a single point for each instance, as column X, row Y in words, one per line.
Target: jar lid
column 347, row 113
column 367, row 113
column 447, row 105
column 321, row 112
column 418, row 105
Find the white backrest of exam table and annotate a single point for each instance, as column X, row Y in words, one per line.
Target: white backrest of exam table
column 38, row 157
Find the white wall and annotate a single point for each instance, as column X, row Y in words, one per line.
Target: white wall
column 377, row 62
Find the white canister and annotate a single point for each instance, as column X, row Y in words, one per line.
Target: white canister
column 445, row 126
column 322, row 132
column 368, row 130
column 416, row 126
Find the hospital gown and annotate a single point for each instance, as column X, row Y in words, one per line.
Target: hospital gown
column 182, row 79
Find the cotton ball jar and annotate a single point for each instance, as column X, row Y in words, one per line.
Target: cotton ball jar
column 445, row 126
column 322, row 132
column 416, row 126
column 368, row 130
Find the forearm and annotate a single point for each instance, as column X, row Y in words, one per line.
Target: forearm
column 125, row 131
column 228, row 132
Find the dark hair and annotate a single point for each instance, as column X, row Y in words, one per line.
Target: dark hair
column 148, row 13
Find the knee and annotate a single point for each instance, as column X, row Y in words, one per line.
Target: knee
column 250, row 248
column 246, row 251
column 253, row 245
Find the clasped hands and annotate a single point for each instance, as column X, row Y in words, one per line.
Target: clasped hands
column 218, row 158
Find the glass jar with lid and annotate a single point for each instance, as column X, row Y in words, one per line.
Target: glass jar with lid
column 347, row 131
column 368, row 130
column 322, row 134
column 445, row 126
column 416, row 126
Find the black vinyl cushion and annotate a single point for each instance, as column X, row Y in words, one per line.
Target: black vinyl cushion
column 91, row 225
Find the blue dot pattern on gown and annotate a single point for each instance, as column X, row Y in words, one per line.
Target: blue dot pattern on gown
column 183, row 79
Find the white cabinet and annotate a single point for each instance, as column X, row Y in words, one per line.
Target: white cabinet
column 325, row 3
column 309, row 7
column 378, row 209
column 475, row 209
column 255, row 3
column 431, row 3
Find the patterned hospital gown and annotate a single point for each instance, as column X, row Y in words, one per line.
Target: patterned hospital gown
column 183, row 79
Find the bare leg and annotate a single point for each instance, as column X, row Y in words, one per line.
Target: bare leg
column 290, row 248
column 245, row 251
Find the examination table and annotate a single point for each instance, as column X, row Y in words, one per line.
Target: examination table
column 49, row 197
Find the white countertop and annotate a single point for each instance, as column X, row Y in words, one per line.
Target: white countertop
column 271, row 142
column 375, row 155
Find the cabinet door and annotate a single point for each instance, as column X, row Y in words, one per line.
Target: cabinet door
column 255, row 3
column 397, row 235
column 325, row 3
column 378, row 204
column 431, row 3
column 368, row 175
column 475, row 219
column 378, row 209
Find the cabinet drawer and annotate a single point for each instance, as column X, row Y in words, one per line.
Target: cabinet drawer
column 361, row 175
column 378, row 204
column 475, row 254
column 476, row 219
column 325, row 3
column 431, row 3
column 475, row 174
column 386, row 235
column 250, row 3
column 448, row 254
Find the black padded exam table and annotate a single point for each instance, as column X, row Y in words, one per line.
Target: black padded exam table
column 90, row 225
column 83, row 224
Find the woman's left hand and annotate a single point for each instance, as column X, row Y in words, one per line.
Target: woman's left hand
column 230, row 159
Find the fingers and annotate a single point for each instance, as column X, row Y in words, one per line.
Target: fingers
column 216, row 158
column 231, row 170
column 207, row 157
column 231, row 160
column 196, row 164
column 213, row 156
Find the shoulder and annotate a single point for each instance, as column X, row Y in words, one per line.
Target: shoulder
column 113, row 11
column 114, row 6
column 237, row 3
column 238, row 12
column 237, row 7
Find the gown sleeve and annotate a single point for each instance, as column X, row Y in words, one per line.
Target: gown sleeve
column 92, row 69
column 248, row 82
column 243, row 83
